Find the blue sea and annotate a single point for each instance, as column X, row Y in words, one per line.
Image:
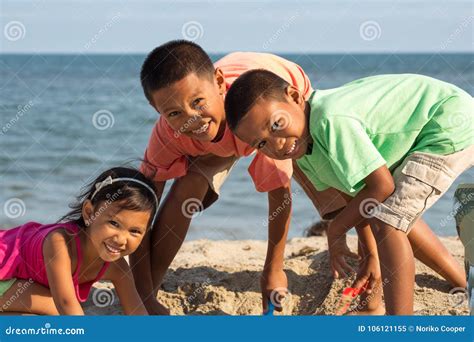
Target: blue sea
column 52, row 144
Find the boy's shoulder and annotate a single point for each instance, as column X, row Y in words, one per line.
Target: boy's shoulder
column 367, row 93
column 248, row 57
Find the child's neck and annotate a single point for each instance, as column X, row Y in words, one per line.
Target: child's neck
column 220, row 132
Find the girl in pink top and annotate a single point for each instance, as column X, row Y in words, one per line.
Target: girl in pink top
column 50, row 269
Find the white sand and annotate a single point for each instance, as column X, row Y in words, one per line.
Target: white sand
column 222, row 278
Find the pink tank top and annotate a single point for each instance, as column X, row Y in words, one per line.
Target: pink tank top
column 21, row 255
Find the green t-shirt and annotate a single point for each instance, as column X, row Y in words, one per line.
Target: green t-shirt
column 378, row 121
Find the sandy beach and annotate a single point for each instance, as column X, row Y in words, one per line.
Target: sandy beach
column 222, row 278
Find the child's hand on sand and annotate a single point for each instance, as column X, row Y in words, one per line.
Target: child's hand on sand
column 338, row 251
column 274, row 287
column 369, row 275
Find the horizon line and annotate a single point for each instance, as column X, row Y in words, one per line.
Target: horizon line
column 66, row 53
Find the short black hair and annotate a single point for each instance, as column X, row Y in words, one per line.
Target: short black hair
column 172, row 62
column 248, row 89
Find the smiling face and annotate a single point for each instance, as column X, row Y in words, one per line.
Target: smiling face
column 277, row 128
column 114, row 232
column 193, row 106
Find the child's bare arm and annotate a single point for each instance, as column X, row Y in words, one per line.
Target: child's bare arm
column 58, row 263
column 379, row 186
column 367, row 239
column 279, row 204
column 121, row 276
column 369, row 270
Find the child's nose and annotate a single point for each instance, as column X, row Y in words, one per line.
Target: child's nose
column 120, row 239
column 192, row 118
column 279, row 143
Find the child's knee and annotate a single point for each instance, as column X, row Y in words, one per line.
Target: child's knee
column 381, row 229
column 192, row 185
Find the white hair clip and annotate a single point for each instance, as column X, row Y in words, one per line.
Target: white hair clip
column 100, row 185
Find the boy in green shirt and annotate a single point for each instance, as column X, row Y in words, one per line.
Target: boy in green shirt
column 394, row 143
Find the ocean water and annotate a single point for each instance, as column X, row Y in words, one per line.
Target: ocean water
column 50, row 143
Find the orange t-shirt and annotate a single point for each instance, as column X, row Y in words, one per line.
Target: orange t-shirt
column 166, row 156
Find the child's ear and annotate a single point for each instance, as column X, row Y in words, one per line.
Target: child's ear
column 87, row 211
column 294, row 94
column 220, row 80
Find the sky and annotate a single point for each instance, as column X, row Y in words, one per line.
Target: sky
column 325, row 26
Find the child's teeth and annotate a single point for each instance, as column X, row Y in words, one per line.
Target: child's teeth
column 202, row 129
column 113, row 250
column 292, row 148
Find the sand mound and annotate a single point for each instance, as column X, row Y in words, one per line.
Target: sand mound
column 222, row 278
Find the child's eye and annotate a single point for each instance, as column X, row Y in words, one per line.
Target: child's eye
column 170, row 115
column 275, row 126
column 197, row 101
column 113, row 223
column 261, row 144
column 136, row 232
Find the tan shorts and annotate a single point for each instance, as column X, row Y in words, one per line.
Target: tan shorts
column 216, row 170
column 420, row 181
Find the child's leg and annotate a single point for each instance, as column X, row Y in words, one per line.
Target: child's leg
column 397, row 264
column 27, row 297
column 398, row 268
column 420, row 181
column 173, row 222
column 429, row 250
